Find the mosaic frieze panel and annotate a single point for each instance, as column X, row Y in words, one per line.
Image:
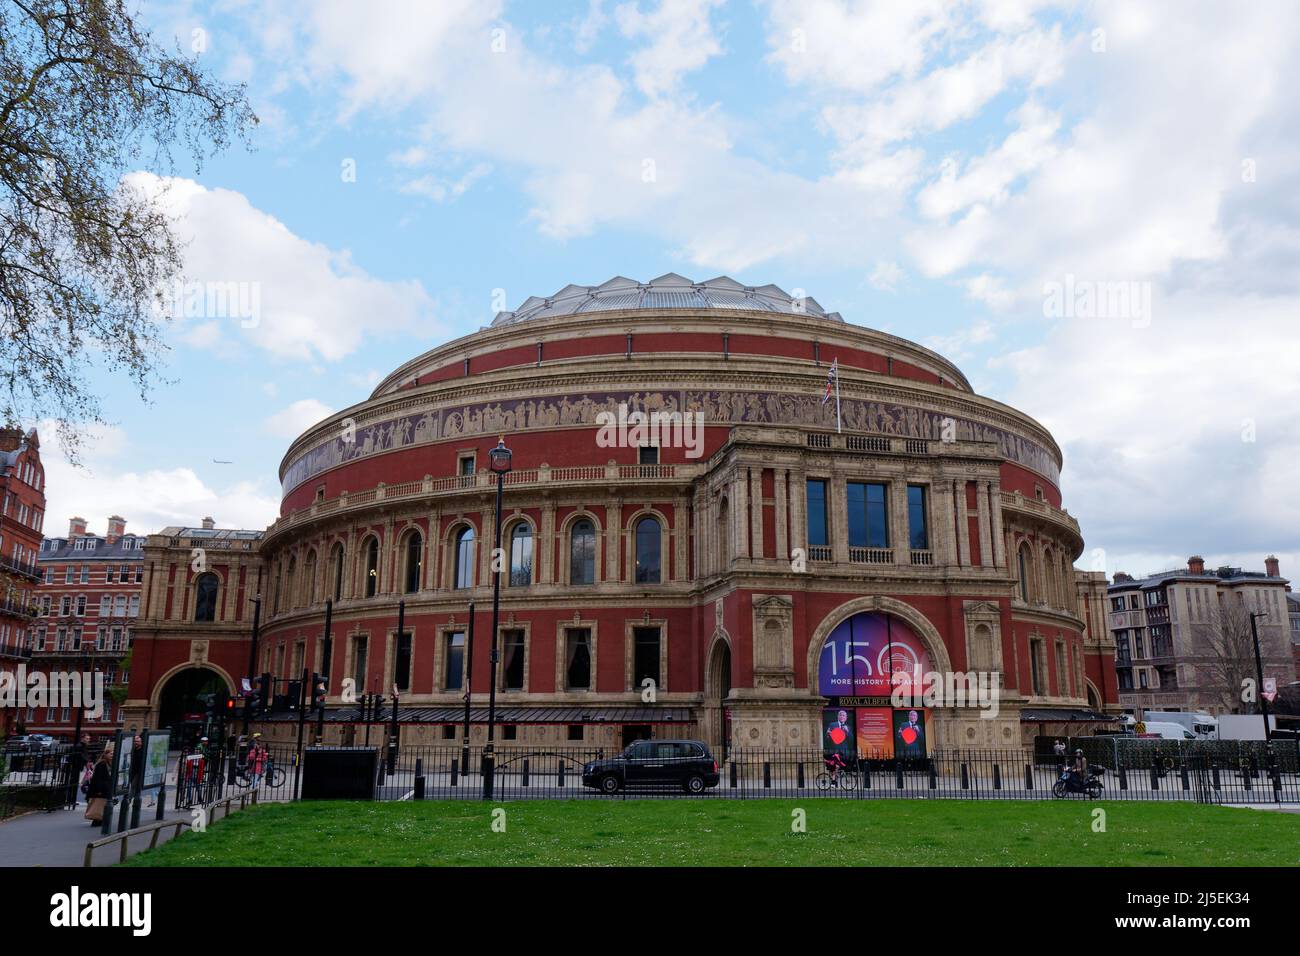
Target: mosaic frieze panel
column 718, row 407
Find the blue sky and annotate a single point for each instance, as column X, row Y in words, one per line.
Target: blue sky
column 927, row 168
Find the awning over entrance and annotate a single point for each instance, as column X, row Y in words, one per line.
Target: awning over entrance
column 1063, row 715
column 508, row 715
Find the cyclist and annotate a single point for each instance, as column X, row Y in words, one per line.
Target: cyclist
column 256, row 761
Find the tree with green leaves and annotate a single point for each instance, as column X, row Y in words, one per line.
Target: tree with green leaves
column 87, row 96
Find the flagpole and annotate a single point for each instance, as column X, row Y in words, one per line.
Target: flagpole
column 838, row 424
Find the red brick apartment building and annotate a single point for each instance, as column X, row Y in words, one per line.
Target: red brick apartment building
column 22, row 516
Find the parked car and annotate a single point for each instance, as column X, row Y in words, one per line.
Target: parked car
column 654, row 763
column 38, row 742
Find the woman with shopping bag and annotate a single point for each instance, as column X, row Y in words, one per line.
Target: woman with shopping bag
column 100, row 786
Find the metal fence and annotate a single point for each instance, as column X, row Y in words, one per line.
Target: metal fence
column 1207, row 772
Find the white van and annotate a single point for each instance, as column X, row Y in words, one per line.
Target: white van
column 1165, row 731
column 1201, row 724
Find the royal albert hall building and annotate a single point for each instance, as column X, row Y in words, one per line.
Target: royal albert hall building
column 742, row 591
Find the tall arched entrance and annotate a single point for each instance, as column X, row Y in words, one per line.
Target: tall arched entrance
column 183, row 701
column 717, row 687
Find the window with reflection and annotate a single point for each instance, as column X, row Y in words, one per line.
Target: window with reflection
column 205, row 600
column 648, row 534
column 521, row 555
column 582, row 553
column 464, row 558
column 414, row 561
column 372, row 567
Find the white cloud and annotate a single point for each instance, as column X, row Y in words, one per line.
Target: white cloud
column 292, row 420
column 149, row 498
column 681, row 41
column 886, row 275
column 284, row 294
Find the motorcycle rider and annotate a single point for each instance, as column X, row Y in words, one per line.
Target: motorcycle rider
column 1079, row 769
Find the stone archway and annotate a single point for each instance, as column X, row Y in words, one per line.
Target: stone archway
column 181, row 692
column 919, row 623
column 717, row 688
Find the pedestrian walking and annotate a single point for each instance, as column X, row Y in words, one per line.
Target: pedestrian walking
column 101, row 787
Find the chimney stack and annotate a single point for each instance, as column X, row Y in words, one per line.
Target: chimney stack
column 116, row 528
column 76, row 526
column 208, row 524
column 1271, row 567
column 1196, row 564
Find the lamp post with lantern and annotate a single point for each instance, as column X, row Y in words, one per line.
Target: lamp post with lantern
column 499, row 462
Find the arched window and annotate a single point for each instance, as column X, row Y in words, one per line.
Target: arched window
column 309, row 576
column 582, row 553
column 647, row 551
column 290, row 581
column 414, row 561
column 372, row 567
column 205, row 597
column 464, row 558
column 521, row 555
column 338, row 572
column 1023, row 565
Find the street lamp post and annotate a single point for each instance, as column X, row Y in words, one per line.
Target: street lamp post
column 469, row 679
column 1259, row 674
column 499, row 461
column 252, row 653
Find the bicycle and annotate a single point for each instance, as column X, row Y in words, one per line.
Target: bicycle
column 836, row 775
column 272, row 776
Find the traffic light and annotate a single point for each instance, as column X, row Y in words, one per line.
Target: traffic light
column 230, row 707
column 320, row 687
column 261, row 693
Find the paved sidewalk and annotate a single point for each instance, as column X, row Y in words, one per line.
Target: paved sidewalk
column 59, row 838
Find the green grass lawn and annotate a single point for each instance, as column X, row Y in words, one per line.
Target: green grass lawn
column 737, row 833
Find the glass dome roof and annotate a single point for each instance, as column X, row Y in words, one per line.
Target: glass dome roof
column 669, row 291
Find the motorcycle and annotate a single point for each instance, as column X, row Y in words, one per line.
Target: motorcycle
column 1069, row 783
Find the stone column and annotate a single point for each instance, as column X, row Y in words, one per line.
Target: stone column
column 545, row 548
column 963, row 524
column 756, row 513
column 897, row 516
column 736, row 514
column 985, row 524
column 837, row 525
column 941, row 539
column 782, row 542
column 613, row 538
column 999, row 535
column 799, row 510
column 681, row 532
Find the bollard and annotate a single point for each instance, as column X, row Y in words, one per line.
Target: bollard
column 799, row 775
column 419, row 778
column 866, row 776
column 524, row 782
column 1123, row 778
column 1155, row 777
column 1187, row 783
column 455, row 768
column 965, row 777
column 560, row 775
column 898, row 773
column 732, row 774
column 934, row 778
column 767, row 775
column 1214, row 776
column 997, row 777
column 162, row 801
column 1029, row 777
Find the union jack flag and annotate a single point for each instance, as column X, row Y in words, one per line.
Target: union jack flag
column 830, row 381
